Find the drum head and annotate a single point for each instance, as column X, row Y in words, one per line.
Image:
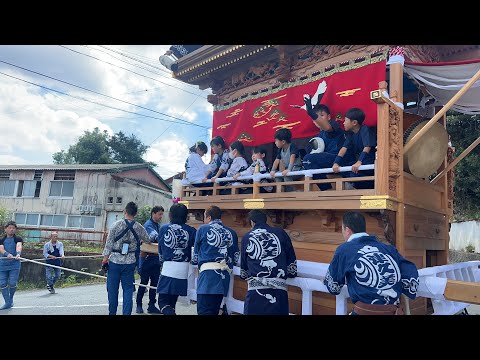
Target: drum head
column 429, row 152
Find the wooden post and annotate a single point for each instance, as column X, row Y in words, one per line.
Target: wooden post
column 396, row 82
column 256, row 189
column 382, row 155
column 394, row 162
column 444, row 109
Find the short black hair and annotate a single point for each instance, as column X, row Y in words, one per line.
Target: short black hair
column 202, row 146
column 355, row 221
column 218, row 140
column 131, row 208
column 257, row 216
column 178, row 214
column 260, row 149
column 156, row 209
column 214, row 212
column 237, row 145
column 356, row 114
column 283, row 134
column 321, row 107
column 11, row 222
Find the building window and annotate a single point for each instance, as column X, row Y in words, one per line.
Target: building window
column 28, row 188
column 64, row 175
column 7, row 187
column 119, row 200
column 32, row 219
column 26, row 219
column 61, row 188
column 88, row 222
column 53, row 220
column 85, row 222
column 20, row 218
column 5, row 174
column 38, row 175
column 110, row 200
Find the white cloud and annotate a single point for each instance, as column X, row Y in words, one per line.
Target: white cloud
column 169, row 155
column 12, row 160
column 37, row 121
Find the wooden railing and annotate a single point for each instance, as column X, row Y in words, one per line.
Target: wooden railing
column 252, row 190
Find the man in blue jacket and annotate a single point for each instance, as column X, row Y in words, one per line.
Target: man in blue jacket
column 375, row 273
column 216, row 252
column 149, row 264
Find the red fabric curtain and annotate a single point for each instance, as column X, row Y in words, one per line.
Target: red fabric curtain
column 255, row 121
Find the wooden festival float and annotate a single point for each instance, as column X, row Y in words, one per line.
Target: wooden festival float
column 410, row 205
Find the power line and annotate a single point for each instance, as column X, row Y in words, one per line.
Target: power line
column 152, row 60
column 108, row 106
column 143, row 68
column 145, row 76
column 163, row 132
column 129, row 57
column 95, row 92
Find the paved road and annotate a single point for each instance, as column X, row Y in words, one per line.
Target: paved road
column 89, row 300
column 75, row 300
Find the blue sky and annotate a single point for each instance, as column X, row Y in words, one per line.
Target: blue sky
column 36, row 122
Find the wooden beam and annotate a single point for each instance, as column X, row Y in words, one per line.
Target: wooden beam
column 463, row 291
column 456, row 160
column 444, row 109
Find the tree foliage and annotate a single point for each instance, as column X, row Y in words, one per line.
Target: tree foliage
column 97, row 147
column 464, row 130
column 127, row 149
column 143, row 214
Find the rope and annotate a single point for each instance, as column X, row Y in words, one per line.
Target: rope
column 80, row 272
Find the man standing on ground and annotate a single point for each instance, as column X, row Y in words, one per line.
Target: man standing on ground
column 53, row 252
column 149, row 264
column 215, row 252
column 119, row 258
column 11, row 250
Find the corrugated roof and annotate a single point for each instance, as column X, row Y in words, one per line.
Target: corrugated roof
column 74, row 167
column 90, row 167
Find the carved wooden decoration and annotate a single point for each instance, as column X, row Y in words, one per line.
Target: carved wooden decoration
column 394, row 147
column 422, row 53
column 284, row 64
column 450, row 177
column 388, row 223
column 316, row 53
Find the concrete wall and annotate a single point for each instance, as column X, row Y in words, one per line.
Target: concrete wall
column 35, row 273
column 465, row 233
column 91, row 188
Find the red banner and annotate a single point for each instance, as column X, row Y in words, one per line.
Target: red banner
column 255, row 121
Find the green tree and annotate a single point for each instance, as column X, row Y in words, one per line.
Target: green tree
column 464, row 130
column 91, row 148
column 97, row 147
column 5, row 216
column 127, row 149
column 143, row 214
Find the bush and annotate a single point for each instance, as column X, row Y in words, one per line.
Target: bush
column 470, row 248
column 143, row 214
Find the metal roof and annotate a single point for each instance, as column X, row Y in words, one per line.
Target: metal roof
column 75, row 167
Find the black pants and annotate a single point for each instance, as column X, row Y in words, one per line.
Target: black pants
column 167, row 303
column 209, row 304
column 150, row 271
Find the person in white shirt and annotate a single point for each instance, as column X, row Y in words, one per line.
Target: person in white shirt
column 195, row 168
